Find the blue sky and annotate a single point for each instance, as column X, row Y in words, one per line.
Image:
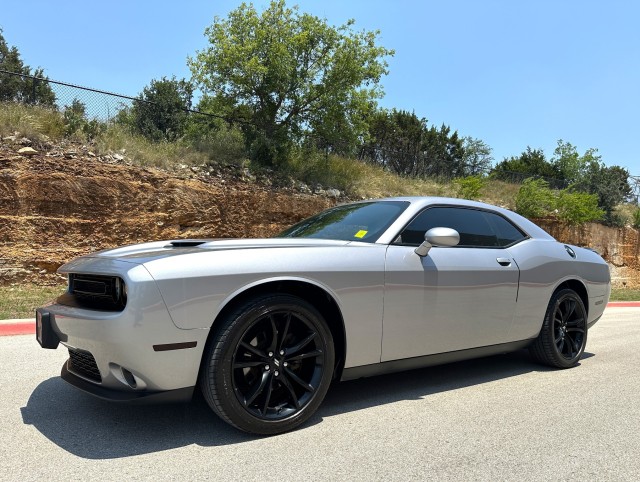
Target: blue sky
column 511, row 73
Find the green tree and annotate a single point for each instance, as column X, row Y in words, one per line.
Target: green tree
column 162, row 110
column 611, row 185
column 288, row 72
column 476, row 156
column 405, row 144
column 570, row 164
column 442, row 153
column 531, row 162
column 16, row 88
column 395, row 140
column 588, row 174
column 339, row 127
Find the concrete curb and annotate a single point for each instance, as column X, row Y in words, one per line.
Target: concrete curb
column 28, row 326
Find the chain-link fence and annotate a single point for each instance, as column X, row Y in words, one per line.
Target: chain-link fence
column 98, row 104
column 634, row 182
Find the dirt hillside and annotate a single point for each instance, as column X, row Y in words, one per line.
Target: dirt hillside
column 65, row 201
column 61, row 201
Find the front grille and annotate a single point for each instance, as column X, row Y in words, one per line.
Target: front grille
column 95, row 292
column 82, row 363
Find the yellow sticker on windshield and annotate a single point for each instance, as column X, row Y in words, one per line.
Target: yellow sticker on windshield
column 361, row 234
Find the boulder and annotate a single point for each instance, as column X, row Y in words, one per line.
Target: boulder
column 27, row 151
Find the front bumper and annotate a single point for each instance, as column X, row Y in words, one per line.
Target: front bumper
column 134, row 354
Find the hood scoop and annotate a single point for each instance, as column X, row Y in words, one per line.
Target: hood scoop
column 186, row 243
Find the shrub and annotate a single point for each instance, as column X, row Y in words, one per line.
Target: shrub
column 76, row 123
column 220, row 141
column 578, row 207
column 636, row 218
column 534, row 199
column 470, row 187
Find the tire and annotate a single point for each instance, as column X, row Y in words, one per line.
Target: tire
column 269, row 364
column 563, row 336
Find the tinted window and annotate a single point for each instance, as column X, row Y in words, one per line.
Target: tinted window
column 476, row 228
column 506, row 232
column 352, row 222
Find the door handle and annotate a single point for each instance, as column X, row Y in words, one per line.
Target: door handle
column 504, row 261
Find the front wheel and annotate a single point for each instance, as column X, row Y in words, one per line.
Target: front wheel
column 563, row 336
column 269, row 365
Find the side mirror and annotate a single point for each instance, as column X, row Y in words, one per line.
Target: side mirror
column 438, row 237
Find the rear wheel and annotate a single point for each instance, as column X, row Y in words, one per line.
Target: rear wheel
column 269, row 365
column 563, row 336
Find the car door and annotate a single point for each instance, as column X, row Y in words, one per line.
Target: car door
column 454, row 298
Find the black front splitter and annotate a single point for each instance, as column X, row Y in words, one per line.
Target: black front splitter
column 180, row 395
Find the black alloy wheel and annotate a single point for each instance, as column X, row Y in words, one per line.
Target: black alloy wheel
column 569, row 328
column 269, row 366
column 563, row 336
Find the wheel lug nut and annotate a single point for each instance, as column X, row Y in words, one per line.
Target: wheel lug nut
column 285, row 364
column 281, row 352
column 270, row 353
column 276, row 373
column 267, row 367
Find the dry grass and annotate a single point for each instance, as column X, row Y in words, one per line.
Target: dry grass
column 143, row 152
column 362, row 180
column 30, row 121
column 21, row 301
column 624, row 294
column 500, row 193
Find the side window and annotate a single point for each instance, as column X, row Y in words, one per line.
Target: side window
column 506, row 232
column 479, row 229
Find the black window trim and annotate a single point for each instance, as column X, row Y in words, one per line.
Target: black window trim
column 459, row 206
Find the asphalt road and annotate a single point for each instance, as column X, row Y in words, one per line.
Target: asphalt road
column 499, row 418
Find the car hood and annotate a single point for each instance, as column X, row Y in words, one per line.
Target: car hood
column 142, row 253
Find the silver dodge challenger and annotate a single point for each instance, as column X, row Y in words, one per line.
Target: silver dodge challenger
column 263, row 326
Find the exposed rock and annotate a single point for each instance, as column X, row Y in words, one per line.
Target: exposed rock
column 53, row 209
column 303, row 188
column 27, row 151
column 333, row 193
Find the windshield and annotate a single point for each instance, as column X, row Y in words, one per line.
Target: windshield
column 352, row 222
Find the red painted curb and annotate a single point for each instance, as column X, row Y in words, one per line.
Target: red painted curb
column 624, row 304
column 17, row 329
